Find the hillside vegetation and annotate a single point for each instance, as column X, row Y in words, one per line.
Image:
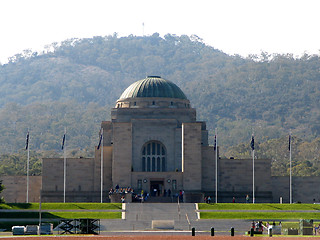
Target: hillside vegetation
column 75, row 83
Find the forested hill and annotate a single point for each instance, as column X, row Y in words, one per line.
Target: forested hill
column 76, row 82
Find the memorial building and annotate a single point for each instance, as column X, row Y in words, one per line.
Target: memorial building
column 153, row 142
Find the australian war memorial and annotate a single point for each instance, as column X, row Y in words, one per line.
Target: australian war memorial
column 153, row 142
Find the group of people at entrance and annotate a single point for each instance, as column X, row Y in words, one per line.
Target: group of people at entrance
column 117, row 189
column 157, row 192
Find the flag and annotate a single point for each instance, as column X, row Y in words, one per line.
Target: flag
column 289, row 142
column 252, row 143
column 27, row 141
column 100, row 140
column 63, row 140
column 215, row 142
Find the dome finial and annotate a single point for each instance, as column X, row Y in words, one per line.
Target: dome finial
column 153, row 76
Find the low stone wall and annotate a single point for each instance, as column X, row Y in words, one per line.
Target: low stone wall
column 16, row 188
column 304, row 189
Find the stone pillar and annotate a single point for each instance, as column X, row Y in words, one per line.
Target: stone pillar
column 191, row 156
column 122, row 154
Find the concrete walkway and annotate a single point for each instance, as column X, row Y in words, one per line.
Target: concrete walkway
column 139, row 216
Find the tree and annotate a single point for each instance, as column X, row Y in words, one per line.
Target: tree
column 1, row 189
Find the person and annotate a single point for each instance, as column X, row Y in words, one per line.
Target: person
column 209, row 199
column 169, row 192
column 316, row 229
column 253, row 225
column 233, row 200
column 247, row 198
column 180, row 195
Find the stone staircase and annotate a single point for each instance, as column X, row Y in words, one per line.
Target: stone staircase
column 139, row 216
column 162, row 200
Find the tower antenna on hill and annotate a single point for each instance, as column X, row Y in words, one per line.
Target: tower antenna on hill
column 143, row 29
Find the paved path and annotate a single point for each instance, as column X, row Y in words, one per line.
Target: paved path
column 139, row 216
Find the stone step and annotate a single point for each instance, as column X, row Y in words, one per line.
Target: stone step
column 161, row 200
column 160, row 211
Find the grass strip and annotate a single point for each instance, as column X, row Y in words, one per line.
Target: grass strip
column 259, row 215
column 62, row 206
column 59, row 215
column 258, row 206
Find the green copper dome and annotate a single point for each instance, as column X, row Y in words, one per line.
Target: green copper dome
column 153, row 86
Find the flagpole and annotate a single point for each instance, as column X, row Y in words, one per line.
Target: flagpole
column 253, row 195
column 40, row 203
column 252, row 147
column 216, row 148
column 64, row 165
column 101, row 177
column 290, row 168
column 28, row 163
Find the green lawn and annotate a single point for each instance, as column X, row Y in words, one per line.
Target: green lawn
column 62, row 206
column 258, row 206
column 57, row 215
column 259, row 215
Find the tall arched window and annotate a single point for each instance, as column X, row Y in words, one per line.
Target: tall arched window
column 153, row 157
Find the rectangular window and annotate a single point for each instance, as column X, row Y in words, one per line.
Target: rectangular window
column 139, row 184
column 153, row 148
column 158, row 164
column 148, row 164
column 148, row 149
column 153, row 164
column 174, row 184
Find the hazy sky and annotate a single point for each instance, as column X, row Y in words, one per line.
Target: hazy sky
column 233, row 26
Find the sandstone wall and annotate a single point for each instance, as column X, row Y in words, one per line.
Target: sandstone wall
column 16, row 188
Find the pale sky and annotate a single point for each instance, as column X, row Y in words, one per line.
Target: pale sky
column 233, row 26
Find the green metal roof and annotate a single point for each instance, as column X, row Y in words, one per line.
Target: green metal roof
column 153, row 86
